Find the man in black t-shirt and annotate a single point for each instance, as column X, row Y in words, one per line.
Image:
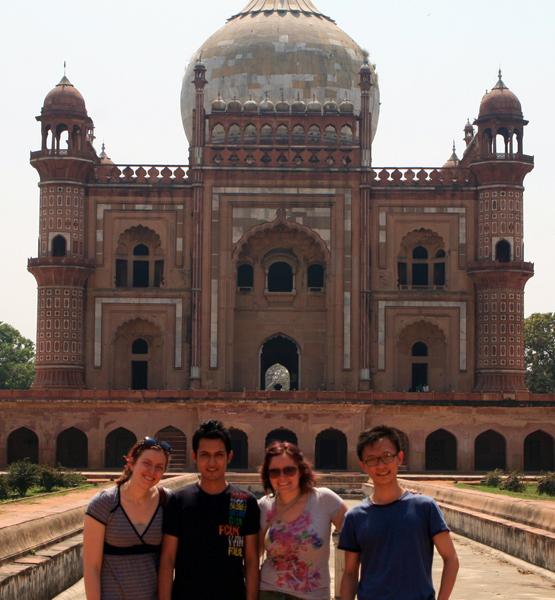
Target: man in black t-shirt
column 210, row 530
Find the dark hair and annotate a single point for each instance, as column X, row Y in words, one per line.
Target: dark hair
column 133, row 454
column 306, row 480
column 212, row 430
column 371, row 436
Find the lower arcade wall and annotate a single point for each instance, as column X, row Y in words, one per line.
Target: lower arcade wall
column 454, row 432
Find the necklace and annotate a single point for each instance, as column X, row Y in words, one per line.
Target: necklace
column 285, row 506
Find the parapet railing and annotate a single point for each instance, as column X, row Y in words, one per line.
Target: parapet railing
column 420, row 176
column 149, row 174
column 379, row 176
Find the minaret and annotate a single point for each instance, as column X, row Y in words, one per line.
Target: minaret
column 65, row 162
column 196, row 174
column 500, row 272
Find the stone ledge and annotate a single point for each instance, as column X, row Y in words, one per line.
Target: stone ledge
column 517, row 527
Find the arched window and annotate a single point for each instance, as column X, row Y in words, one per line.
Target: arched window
column 331, row 450
column 539, row 452
column 245, row 277
column 218, row 134
column 298, row 135
column 147, row 269
column 118, row 443
column 59, row 246
column 240, row 447
column 279, row 364
column 420, row 266
column 441, row 451
column 503, row 251
column 23, row 443
column 315, row 277
column 489, row 451
column 140, row 267
column 419, row 349
column 439, row 268
column 330, row 135
column 139, row 346
column 178, row 441
column 72, row 448
column 139, row 364
column 266, row 134
column 346, row 134
column 501, row 146
column 249, row 134
column 280, row 435
column 234, row 134
column 422, row 260
column 280, row 277
column 419, row 368
column 314, row 134
column 282, row 134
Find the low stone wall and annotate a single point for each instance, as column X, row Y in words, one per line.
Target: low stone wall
column 522, row 528
column 37, row 567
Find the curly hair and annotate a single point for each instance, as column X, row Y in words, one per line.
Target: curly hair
column 131, row 458
column 307, row 479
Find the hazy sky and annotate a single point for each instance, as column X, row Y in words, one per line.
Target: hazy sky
column 435, row 59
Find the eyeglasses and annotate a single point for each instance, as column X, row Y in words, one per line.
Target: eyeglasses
column 287, row 471
column 150, row 442
column 386, row 458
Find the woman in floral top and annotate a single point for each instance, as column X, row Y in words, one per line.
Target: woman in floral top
column 295, row 529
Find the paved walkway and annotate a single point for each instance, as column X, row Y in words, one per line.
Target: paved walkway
column 485, row 574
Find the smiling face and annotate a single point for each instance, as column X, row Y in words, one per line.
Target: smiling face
column 284, row 485
column 147, row 469
column 381, row 473
column 212, row 460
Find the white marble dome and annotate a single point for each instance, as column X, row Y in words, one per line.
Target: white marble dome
column 285, row 48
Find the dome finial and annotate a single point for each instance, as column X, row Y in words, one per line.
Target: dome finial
column 64, row 80
column 500, row 85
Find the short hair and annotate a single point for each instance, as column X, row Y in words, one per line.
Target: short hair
column 307, row 479
column 371, row 436
column 212, row 430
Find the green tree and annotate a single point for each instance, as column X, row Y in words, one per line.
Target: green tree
column 17, row 353
column 539, row 340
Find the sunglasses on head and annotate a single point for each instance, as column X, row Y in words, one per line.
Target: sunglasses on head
column 287, row 471
column 150, row 442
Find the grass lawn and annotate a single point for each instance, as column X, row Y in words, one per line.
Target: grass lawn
column 38, row 491
column 530, row 493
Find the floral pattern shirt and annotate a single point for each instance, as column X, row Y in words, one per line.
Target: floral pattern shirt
column 297, row 552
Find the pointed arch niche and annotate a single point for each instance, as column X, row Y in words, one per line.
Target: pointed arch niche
column 421, row 358
column 282, row 255
column 138, row 356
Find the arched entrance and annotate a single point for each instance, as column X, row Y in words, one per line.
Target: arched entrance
column 331, row 450
column 441, row 451
column 489, row 451
column 23, row 443
column 539, row 452
column 280, row 350
column 240, row 447
column 178, row 441
column 280, row 435
column 72, row 449
column 118, row 444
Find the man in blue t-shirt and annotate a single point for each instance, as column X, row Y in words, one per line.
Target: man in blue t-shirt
column 391, row 535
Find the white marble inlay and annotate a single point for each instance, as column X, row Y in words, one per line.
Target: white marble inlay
column 214, row 325
column 347, row 330
column 99, row 303
column 383, row 304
